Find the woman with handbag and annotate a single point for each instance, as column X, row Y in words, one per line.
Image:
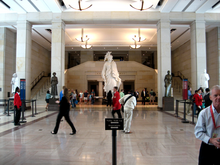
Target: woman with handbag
column 64, row 111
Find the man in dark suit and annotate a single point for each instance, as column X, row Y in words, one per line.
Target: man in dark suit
column 143, row 95
column 208, row 102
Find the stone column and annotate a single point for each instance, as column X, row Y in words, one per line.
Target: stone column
column 2, row 63
column 163, row 56
column 198, row 52
column 100, row 88
column 23, row 54
column 58, row 52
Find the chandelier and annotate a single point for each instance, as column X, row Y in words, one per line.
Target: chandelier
column 135, row 46
column 80, row 3
column 138, row 38
column 141, row 5
column 86, row 46
column 82, row 38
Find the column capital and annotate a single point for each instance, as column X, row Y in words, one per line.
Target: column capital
column 198, row 23
column 58, row 24
column 163, row 23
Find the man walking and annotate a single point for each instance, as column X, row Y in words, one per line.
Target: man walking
column 116, row 104
column 129, row 102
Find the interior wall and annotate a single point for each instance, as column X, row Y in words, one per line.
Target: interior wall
column 213, row 54
column 86, row 56
column 135, row 56
column 143, row 76
column 181, row 60
column 40, row 60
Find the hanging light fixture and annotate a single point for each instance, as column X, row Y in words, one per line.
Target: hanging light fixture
column 141, row 5
column 86, row 46
column 135, row 46
column 82, row 38
column 138, row 38
column 81, row 5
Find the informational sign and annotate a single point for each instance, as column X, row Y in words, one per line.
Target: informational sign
column 22, row 89
column 114, row 124
column 185, row 89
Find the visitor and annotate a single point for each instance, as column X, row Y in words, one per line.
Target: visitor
column 122, row 93
column 64, row 111
column 203, row 95
column 109, row 98
column 85, row 95
column 74, row 99
column 47, row 99
column 17, row 105
column 129, row 103
column 81, row 97
column 198, row 101
column 93, row 96
column 189, row 100
column 136, row 94
column 61, row 93
column 152, row 96
column 207, row 99
column 71, row 96
column 77, row 95
column 116, row 104
column 207, row 130
column 143, row 95
column 89, row 98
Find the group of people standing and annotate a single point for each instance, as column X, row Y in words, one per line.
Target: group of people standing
column 144, row 95
column 199, row 99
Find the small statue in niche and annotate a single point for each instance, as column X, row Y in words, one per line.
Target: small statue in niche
column 54, row 82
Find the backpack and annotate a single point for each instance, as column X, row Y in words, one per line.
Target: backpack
column 122, row 106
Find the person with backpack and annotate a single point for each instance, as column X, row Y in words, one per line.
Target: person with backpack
column 129, row 102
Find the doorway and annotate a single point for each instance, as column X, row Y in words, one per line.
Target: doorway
column 93, row 85
column 128, row 85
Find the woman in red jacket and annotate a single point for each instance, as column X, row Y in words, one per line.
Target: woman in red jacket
column 17, row 105
column 116, row 104
column 198, row 101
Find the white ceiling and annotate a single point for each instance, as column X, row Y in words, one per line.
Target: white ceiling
column 108, row 36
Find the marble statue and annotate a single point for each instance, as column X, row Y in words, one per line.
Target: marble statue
column 54, row 82
column 110, row 73
column 168, row 83
column 204, row 80
column 14, row 83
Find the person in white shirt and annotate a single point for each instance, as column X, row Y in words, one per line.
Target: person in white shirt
column 129, row 102
column 207, row 129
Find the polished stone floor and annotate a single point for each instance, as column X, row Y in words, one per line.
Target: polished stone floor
column 157, row 138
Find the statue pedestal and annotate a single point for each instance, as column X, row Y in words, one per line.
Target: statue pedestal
column 168, row 103
column 53, row 106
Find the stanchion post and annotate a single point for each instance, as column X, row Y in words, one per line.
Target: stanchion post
column 35, row 107
column 32, row 107
column 5, row 102
column 177, row 107
column 192, row 112
column 22, row 118
column 184, row 115
column 8, row 109
column 114, row 147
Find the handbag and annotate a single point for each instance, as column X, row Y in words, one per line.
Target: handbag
column 122, row 106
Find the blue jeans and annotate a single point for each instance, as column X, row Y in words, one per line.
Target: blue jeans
column 194, row 108
column 73, row 103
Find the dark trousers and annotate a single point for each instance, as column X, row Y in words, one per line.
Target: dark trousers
column 59, row 117
column 143, row 100
column 17, row 115
column 208, row 155
column 199, row 110
column 118, row 112
column 109, row 102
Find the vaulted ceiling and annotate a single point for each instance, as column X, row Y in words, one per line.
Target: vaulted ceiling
column 113, row 37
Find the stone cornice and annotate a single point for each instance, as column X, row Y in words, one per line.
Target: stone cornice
column 107, row 17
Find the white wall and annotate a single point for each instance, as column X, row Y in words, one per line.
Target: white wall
column 40, row 60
